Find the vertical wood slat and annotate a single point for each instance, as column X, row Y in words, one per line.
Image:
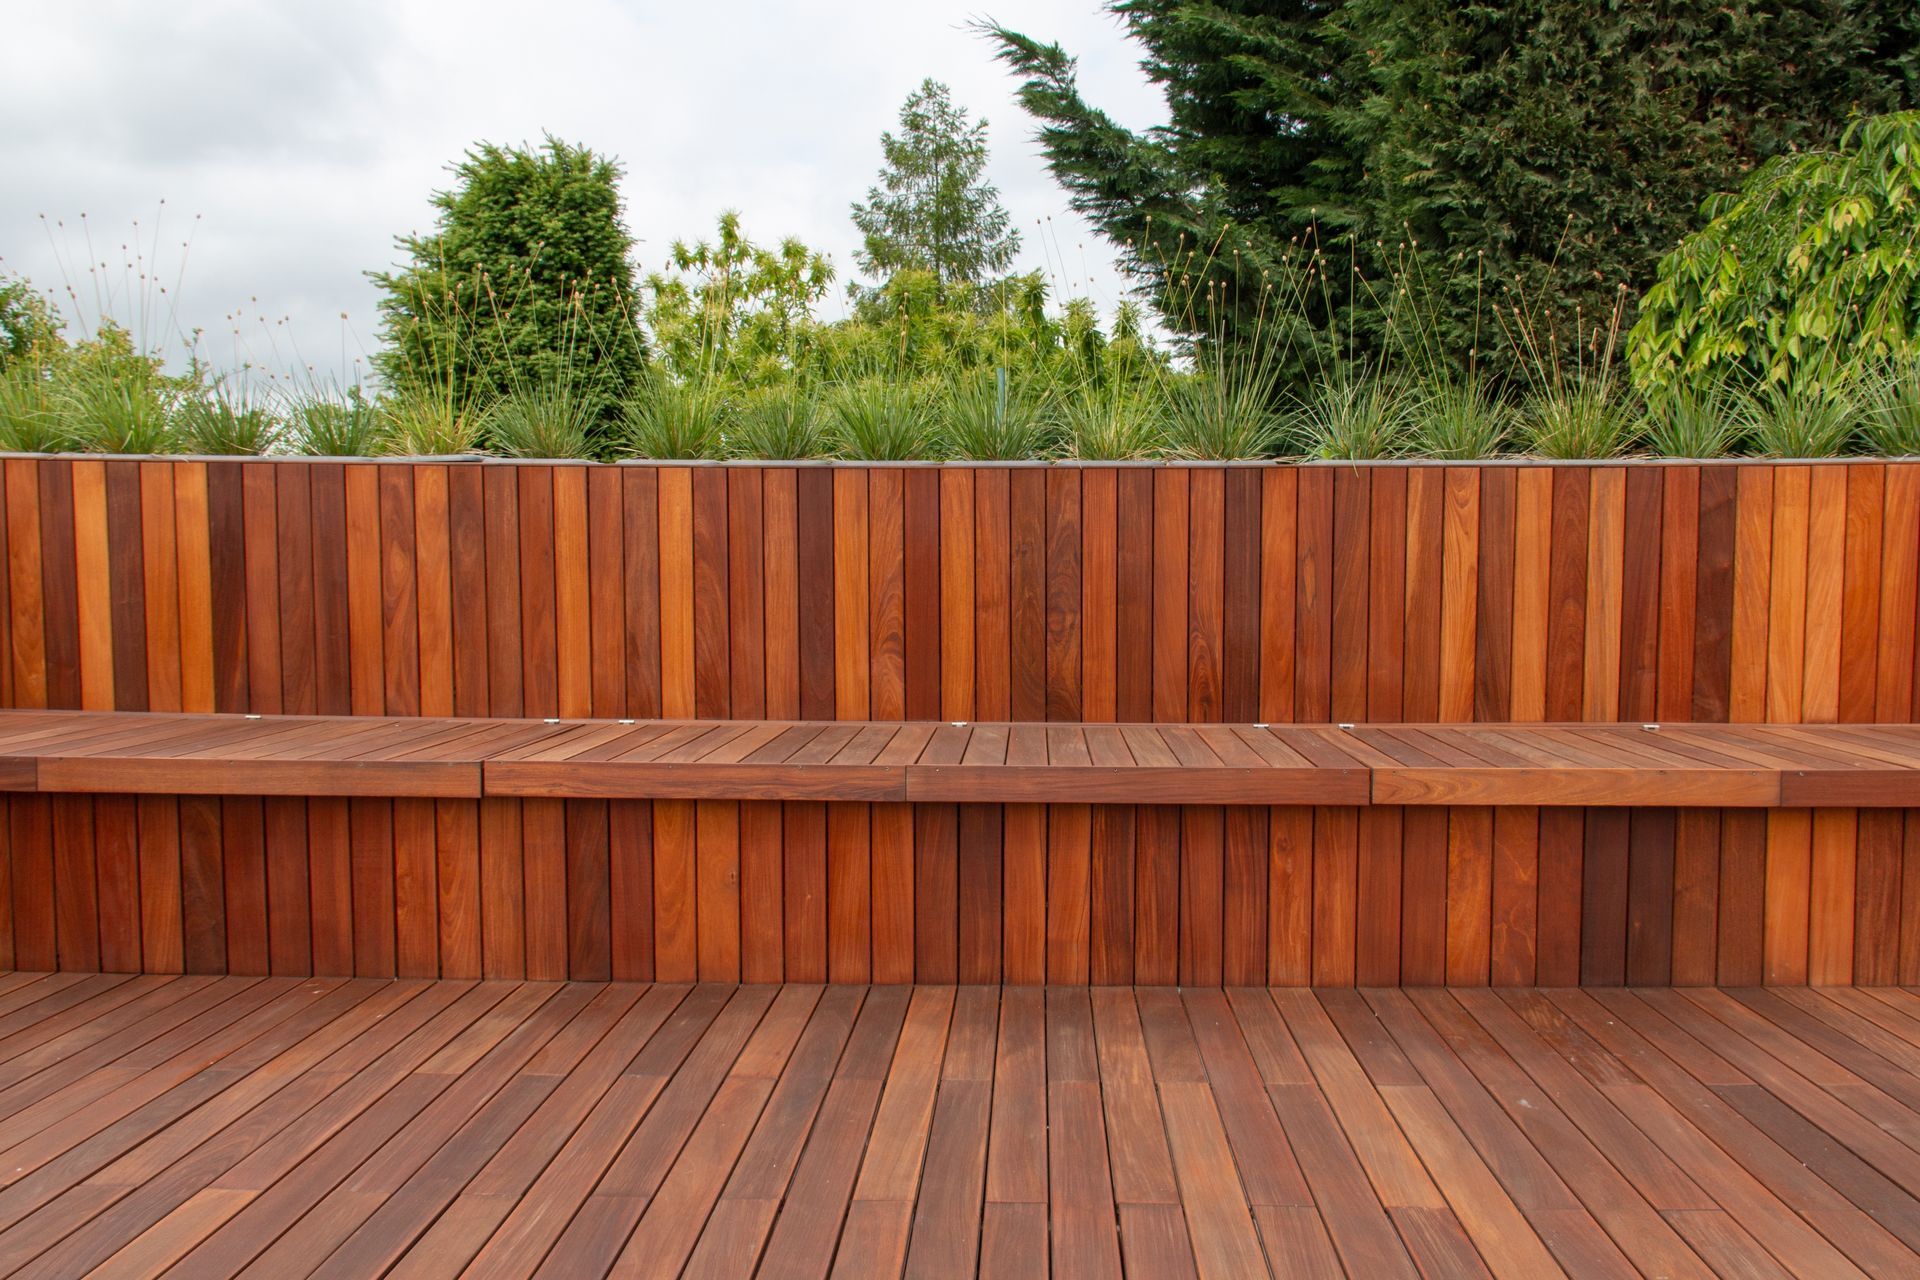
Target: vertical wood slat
column 725, row 891
column 572, row 607
column 1570, row 590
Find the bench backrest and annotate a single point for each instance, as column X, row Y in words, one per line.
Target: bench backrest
column 1741, row 591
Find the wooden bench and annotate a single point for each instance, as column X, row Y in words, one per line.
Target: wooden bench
column 713, row 850
column 1717, row 765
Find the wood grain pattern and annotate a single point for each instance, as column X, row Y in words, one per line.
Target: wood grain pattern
column 1178, row 594
column 797, row 891
column 783, row 1130
column 1170, row 593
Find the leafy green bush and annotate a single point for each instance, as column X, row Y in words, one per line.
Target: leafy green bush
column 1813, row 267
column 525, row 281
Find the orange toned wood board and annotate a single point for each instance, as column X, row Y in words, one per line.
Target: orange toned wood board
column 1749, row 591
column 199, row 1126
column 810, row 890
column 1682, row 764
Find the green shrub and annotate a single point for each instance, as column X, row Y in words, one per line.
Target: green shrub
column 778, row 422
column 1811, row 268
column 672, row 421
column 547, row 421
column 1802, row 421
column 1689, row 422
column 879, row 420
column 1354, row 418
column 1457, row 420
column 990, row 418
column 1890, row 420
column 1111, row 423
column 349, row 427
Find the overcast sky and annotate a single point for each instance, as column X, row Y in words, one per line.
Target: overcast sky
column 305, row 135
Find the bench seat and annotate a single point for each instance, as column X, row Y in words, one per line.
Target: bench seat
column 1734, row 766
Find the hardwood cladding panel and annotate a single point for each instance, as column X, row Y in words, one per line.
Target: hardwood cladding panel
column 1747, row 591
column 802, row 891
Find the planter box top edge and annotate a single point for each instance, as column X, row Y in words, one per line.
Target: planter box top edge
column 971, row 463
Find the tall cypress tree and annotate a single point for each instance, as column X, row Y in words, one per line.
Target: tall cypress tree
column 932, row 209
column 526, row 280
column 1541, row 151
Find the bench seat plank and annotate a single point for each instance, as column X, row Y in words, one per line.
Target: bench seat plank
column 1707, row 765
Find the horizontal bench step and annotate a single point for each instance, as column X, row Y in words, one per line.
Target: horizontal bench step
column 1423, row 764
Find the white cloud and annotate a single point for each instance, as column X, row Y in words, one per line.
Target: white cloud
column 307, row 135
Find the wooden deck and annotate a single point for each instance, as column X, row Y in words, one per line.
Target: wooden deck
column 922, row 762
column 286, row 1127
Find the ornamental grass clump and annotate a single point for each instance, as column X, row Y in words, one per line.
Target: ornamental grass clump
column 1693, row 422
column 550, row 420
column 1112, row 423
column 1890, row 420
column 1457, row 420
column 992, row 418
column 224, row 420
column 116, row 406
column 673, row 421
column 1223, row 412
column 345, row 427
column 777, row 422
column 30, row 422
column 427, row 422
column 1582, row 418
column 1353, row 418
column 1803, row 421
column 876, row 420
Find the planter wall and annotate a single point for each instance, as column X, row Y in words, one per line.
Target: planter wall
column 1743, row 591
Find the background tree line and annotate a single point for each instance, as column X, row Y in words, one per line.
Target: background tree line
column 1368, row 227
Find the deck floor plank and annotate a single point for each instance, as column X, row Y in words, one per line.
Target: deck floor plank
column 226, row 1126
